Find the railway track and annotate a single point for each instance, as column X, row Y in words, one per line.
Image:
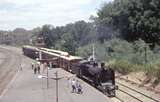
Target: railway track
column 129, row 94
column 8, row 67
column 139, row 85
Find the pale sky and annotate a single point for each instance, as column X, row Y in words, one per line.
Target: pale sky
column 29, row 14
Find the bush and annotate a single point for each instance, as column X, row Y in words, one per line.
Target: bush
column 154, row 71
column 122, row 66
column 125, row 67
column 113, row 49
column 100, row 51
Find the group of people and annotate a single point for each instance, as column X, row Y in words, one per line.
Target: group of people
column 36, row 68
column 76, row 86
column 74, row 83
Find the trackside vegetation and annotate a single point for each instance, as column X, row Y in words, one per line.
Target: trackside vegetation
column 126, row 57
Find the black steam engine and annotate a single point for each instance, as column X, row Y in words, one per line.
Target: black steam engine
column 100, row 77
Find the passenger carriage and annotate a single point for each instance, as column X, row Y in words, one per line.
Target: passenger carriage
column 30, row 51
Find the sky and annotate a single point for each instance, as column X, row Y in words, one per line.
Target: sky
column 30, row 14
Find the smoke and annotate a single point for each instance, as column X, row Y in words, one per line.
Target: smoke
column 106, row 32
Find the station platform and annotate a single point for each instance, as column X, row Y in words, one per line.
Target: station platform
column 27, row 87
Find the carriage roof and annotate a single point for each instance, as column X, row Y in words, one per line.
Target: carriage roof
column 51, row 53
column 66, row 57
column 55, row 51
column 69, row 57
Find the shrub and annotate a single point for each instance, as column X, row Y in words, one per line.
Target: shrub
column 86, row 51
column 122, row 66
column 126, row 57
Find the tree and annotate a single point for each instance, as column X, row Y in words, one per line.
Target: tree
column 133, row 19
column 49, row 35
column 68, row 37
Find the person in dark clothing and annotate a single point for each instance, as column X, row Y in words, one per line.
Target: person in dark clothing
column 35, row 70
column 38, row 68
column 79, row 89
column 32, row 65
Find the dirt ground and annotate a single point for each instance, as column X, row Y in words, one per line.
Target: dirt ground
column 142, row 79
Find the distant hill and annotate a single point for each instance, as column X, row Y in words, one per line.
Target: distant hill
column 18, row 36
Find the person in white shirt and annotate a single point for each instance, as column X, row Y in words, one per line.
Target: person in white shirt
column 73, row 83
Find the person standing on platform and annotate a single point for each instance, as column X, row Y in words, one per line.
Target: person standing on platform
column 38, row 69
column 73, row 83
column 32, row 65
column 79, row 88
column 35, row 70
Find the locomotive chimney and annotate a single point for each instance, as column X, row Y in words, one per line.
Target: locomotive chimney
column 93, row 54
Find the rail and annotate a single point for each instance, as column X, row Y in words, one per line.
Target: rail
column 133, row 95
column 147, row 87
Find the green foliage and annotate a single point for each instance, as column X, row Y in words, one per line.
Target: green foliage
column 68, row 44
column 134, row 19
column 142, row 52
column 119, row 49
column 69, row 37
column 110, row 50
column 122, row 66
column 154, row 70
column 126, row 57
column 86, row 51
column 50, row 37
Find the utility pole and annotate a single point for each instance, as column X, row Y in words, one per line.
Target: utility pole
column 40, row 55
column 56, row 86
column 47, row 79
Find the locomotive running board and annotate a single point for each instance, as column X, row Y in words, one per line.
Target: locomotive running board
column 87, row 79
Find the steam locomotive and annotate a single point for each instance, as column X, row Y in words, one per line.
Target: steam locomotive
column 100, row 77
